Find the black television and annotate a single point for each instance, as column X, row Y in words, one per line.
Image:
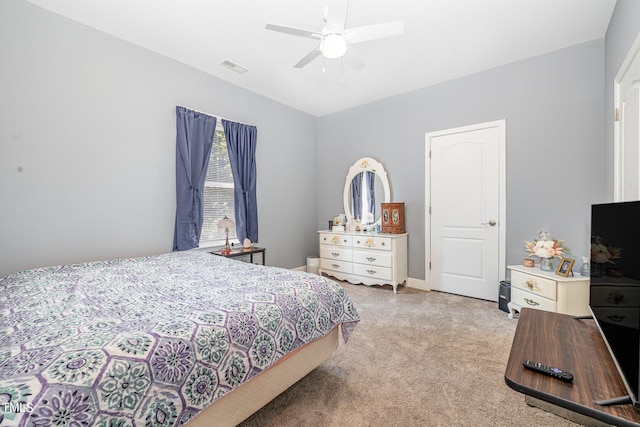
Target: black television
column 615, row 288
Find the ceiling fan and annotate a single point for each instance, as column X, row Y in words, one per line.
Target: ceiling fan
column 335, row 39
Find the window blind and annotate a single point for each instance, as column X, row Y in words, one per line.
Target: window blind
column 218, row 192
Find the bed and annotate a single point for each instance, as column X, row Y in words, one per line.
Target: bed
column 184, row 337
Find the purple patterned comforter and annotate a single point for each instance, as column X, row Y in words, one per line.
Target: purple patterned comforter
column 153, row 340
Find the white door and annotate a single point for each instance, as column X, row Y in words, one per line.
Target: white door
column 465, row 187
column 627, row 127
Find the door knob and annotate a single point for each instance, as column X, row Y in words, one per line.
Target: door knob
column 491, row 223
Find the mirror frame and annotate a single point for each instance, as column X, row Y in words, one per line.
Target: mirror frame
column 365, row 164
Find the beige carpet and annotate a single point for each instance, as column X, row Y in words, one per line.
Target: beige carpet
column 416, row 359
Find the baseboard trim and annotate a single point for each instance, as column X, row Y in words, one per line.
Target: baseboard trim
column 418, row 284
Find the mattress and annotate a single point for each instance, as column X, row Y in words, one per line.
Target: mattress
column 152, row 340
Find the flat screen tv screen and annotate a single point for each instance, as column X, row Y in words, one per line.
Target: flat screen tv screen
column 615, row 285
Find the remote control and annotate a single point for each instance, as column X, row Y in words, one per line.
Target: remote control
column 548, row 370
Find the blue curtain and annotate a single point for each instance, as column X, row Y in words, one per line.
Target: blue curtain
column 356, row 196
column 194, row 139
column 241, row 145
column 371, row 190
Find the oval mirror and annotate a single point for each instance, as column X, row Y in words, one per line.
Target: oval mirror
column 365, row 188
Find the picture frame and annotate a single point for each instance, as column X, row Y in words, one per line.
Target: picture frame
column 565, row 267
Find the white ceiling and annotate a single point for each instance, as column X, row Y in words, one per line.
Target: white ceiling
column 442, row 40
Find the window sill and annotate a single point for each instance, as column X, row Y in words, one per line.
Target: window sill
column 215, row 244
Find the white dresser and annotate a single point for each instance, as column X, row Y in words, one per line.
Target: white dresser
column 370, row 259
column 616, row 301
column 545, row 290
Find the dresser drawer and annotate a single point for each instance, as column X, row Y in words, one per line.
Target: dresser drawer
column 530, row 300
column 628, row 317
column 335, row 239
column 381, row 258
column 534, row 284
column 372, row 271
column 336, row 253
column 615, row 296
column 341, row 266
column 372, row 242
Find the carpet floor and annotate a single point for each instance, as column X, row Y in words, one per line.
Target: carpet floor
column 416, row 359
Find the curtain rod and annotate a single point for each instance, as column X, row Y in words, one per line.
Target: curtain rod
column 215, row 115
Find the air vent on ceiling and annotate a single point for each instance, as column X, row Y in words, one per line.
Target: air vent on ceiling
column 233, row 66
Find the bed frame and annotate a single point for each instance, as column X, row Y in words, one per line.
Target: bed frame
column 239, row 404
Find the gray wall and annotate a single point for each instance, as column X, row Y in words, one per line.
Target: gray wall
column 87, row 147
column 555, row 132
column 87, row 135
column 623, row 29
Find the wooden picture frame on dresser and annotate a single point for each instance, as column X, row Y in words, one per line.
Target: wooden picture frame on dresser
column 565, row 267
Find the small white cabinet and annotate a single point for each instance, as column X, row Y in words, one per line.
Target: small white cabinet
column 545, row 290
column 370, row 259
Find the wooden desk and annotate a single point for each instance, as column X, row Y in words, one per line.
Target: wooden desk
column 574, row 345
column 242, row 251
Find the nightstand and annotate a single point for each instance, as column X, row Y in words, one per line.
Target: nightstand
column 545, row 290
column 241, row 252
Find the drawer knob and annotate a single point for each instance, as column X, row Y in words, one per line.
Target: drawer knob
column 531, row 302
column 335, row 254
column 335, row 265
column 616, row 318
column 382, row 243
column 370, row 259
column 371, row 271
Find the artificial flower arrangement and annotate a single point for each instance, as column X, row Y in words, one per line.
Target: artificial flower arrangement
column 602, row 253
column 546, row 247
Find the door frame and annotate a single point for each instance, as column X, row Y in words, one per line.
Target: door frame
column 632, row 59
column 502, row 199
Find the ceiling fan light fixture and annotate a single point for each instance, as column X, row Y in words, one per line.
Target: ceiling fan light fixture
column 333, row 46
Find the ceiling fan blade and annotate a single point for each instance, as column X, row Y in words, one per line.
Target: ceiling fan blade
column 372, row 32
column 336, row 14
column 293, row 31
column 308, row 58
column 353, row 58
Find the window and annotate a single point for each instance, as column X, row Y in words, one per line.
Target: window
column 218, row 192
